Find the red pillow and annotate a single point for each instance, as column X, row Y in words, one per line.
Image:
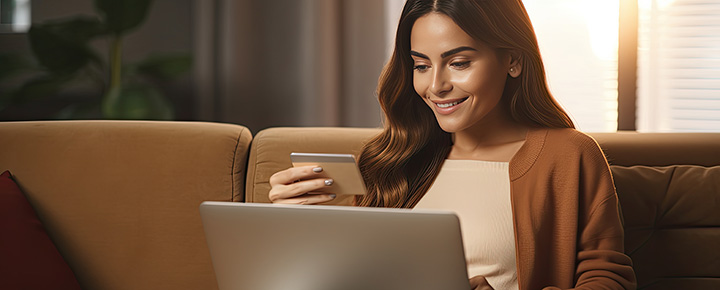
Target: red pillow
column 28, row 258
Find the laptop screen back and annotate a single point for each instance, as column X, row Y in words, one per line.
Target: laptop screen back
column 270, row 247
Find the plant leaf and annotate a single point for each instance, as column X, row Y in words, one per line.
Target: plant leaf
column 136, row 102
column 79, row 28
column 121, row 16
column 165, row 67
column 13, row 64
column 34, row 89
column 40, row 87
column 60, row 47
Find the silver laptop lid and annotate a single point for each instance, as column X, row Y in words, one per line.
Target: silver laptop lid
column 271, row 247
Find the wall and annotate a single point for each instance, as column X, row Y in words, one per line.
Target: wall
column 290, row 63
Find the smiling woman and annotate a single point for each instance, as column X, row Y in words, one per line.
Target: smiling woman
column 472, row 127
column 460, row 78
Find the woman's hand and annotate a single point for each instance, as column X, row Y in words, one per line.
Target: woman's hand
column 300, row 185
column 479, row 283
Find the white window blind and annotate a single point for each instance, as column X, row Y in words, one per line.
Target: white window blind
column 679, row 66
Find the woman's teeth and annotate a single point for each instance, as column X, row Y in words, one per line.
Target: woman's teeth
column 448, row 105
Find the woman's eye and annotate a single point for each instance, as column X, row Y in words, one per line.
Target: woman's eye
column 460, row 64
column 420, row 67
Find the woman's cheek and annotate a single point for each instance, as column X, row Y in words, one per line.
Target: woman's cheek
column 464, row 80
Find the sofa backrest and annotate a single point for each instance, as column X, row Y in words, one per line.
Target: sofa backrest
column 668, row 185
column 271, row 148
column 120, row 199
column 660, row 149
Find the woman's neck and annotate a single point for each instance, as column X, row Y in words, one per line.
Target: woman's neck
column 496, row 140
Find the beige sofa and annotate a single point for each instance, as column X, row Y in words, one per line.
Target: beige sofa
column 120, row 199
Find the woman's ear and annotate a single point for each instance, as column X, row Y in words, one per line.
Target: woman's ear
column 515, row 66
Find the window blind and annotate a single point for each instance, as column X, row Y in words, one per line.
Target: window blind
column 679, row 66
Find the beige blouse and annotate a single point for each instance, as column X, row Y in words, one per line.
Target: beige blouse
column 479, row 193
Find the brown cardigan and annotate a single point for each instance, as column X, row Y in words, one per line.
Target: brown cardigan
column 568, row 232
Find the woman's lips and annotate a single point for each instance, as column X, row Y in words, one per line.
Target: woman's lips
column 448, row 106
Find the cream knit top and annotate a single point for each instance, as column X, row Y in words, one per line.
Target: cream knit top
column 479, row 193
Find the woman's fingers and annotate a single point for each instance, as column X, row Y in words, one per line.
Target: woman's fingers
column 310, row 198
column 293, row 174
column 293, row 184
column 279, row 192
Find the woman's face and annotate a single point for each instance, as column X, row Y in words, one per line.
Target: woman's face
column 460, row 78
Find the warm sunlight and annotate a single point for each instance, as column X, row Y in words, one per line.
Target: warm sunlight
column 647, row 4
column 602, row 24
column 579, row 44
column 597, row 19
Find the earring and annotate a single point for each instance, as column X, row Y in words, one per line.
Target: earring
column 512, row 70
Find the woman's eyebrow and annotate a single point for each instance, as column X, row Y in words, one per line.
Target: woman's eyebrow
column 444, row 54
column 420, row 55
column 456, row 50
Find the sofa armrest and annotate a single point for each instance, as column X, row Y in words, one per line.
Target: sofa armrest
column 120, row 198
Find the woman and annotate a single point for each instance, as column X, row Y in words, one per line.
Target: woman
column 471, row 127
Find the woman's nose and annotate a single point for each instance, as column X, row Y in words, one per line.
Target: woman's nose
column 440, row 85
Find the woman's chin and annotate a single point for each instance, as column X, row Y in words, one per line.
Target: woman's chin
column 450, row 127
column 452, row 123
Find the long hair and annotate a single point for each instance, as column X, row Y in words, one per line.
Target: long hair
column 401, row 163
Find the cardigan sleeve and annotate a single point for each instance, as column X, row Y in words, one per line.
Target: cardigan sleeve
column 601, row 261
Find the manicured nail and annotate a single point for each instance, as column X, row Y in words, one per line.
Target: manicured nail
column 317, row 169
column 328, row 182
column 333, row 196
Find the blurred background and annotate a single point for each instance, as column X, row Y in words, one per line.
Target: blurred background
column 645, row 65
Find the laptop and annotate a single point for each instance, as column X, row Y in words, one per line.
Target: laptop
column 314, row 247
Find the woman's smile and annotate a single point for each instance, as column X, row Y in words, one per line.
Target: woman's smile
column 446, row 107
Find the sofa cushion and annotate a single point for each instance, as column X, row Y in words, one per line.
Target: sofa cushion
column 28, row 258
column 672, row 224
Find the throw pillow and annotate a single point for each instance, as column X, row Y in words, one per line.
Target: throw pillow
column 28, row 258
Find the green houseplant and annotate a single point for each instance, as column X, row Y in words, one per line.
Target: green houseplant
column 64, row 56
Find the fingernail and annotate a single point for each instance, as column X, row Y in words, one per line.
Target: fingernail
column 333, row 196
column 328, row 182
column 317, row 169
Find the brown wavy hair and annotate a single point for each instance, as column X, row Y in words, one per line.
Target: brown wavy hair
column 401, row 163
